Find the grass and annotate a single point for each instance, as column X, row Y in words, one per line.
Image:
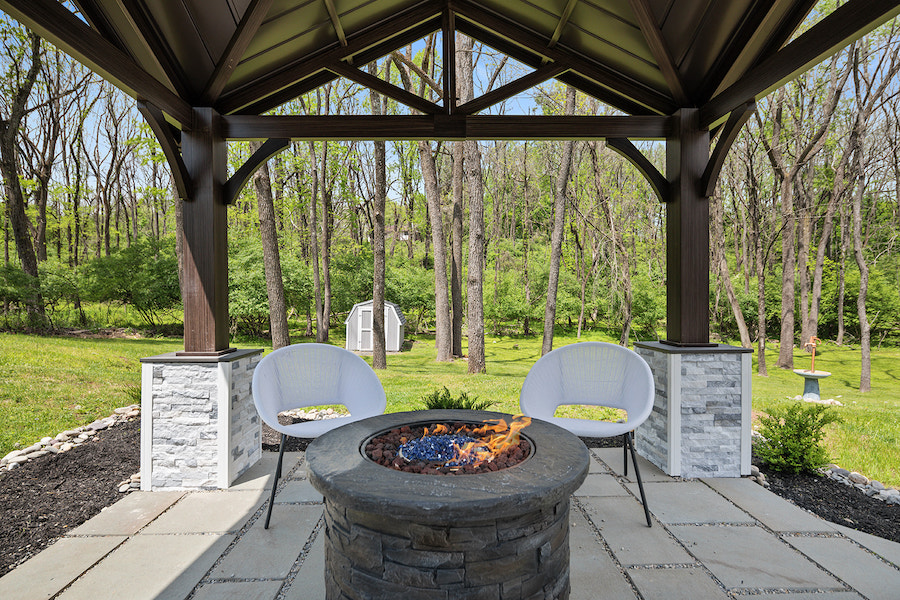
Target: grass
column 868, row 437
column 49, row 384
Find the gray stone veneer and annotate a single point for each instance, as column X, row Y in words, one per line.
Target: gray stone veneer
column 199, row 426
column 700, row 424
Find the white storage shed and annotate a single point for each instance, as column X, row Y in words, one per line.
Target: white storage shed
column 359, row 323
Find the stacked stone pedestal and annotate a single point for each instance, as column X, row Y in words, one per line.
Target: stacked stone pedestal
column 199, row 426
column 700, row 424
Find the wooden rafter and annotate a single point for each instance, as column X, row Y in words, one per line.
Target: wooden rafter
column 512, row 88
column 599, row 73
column 236, row 182
column 322, row 77
column 271, row 83
column 163, row 132
column 237, row 45
column 448, row 42
column 51, row 20
column 659, row 48
column 563, row 19
column 146, row 30
column 444, row 127
column 848, row 22
column 385, row 88
column 658, row 182
column 729, row 133
column 336, row 22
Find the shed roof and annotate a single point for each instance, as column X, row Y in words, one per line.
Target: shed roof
column 396, row 307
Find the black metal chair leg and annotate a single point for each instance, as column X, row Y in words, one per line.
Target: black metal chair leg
column 625, row 454
column 275, row 481
column 629, row 439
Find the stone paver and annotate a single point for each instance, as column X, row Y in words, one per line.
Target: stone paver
column 621, row 523
column 613, row 458
column 750, row 557
column 889, row 551
column 298, row 490
column 259, row 476
column 208, row 512
column 597, row 466
column 864, row 572
column 150, row 567
column 770, row 509
column 591, row 568
column 677, row 584
column 270, row 553
column 129, row 515
column 310, row 580
column 811, row 596
column 601, row 485
column 689, row 502
column 45, row 574
column 242, row 590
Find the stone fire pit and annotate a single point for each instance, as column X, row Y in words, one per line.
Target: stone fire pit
column 392, row 534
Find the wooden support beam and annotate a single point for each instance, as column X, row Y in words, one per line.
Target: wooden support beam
column 51, row 20
column 163, row 132
column 652, row 34
column 687, row 234
column 239, row 180
column 597, row 72
column 563, row 19
column 205, row 274
column 385, row 88
column 512, row 88
column 237, row 45
column 847, row 23
column 271, row 83
column 656, row 179
column 336, row 22
column 448, row 39
column 729, row 133
column 444, row 127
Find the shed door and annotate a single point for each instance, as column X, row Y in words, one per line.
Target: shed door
column 365, row 329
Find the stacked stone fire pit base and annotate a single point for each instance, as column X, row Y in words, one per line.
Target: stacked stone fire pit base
column 499, row 535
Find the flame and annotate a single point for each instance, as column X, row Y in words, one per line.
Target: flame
column 500, row 435
column 439, row 429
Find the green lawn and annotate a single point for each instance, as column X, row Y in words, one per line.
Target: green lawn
column 48, row 384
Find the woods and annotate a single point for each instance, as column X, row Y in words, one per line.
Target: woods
column 803, row 222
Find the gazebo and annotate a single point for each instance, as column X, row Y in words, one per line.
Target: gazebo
column 205, row 71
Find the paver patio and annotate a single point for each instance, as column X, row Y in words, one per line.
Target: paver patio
column 711, row 539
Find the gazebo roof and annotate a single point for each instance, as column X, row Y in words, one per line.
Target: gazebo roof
column 643, row 57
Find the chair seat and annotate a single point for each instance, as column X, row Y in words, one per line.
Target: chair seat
column 590, row 428
column 313, row 429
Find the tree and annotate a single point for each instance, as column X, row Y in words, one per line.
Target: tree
column 278, row 323
column 559, row 221
column 379, row 352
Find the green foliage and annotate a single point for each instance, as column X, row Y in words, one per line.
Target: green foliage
column 792, row 437
column 143, row 276
column 442, row 400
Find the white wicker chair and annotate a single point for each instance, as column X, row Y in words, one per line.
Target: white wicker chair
column 598, row 374
column 304, row 375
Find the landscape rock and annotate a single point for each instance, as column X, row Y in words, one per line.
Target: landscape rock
column 858, row 478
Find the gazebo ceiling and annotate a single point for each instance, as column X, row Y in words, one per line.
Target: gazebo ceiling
column 643, row 57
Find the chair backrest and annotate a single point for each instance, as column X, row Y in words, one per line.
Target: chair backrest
column 590, row 373
column 304, row 375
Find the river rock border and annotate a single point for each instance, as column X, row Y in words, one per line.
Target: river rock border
column 66, row 440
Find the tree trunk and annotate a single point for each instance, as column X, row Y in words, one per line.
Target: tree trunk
column 442, row 333
column 321, row 323
column 379, row 347
column 456, row 244
column 865, row 376
column 15, row 199
column 278, row 323
column 556, row 238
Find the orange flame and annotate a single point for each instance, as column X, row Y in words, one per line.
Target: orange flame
column 503, row 436
column 439, row 429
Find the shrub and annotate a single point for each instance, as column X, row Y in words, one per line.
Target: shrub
column 441, row 399
column 792, row 435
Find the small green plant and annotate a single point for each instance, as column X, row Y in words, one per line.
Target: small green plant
column 791, row 437
column 441, row 399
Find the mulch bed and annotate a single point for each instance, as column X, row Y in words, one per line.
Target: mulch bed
column 45, row 498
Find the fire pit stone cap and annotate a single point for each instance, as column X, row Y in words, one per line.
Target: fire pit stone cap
column 338, row 469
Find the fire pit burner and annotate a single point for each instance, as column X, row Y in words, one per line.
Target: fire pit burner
column 441, row 449
column 395, row 534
